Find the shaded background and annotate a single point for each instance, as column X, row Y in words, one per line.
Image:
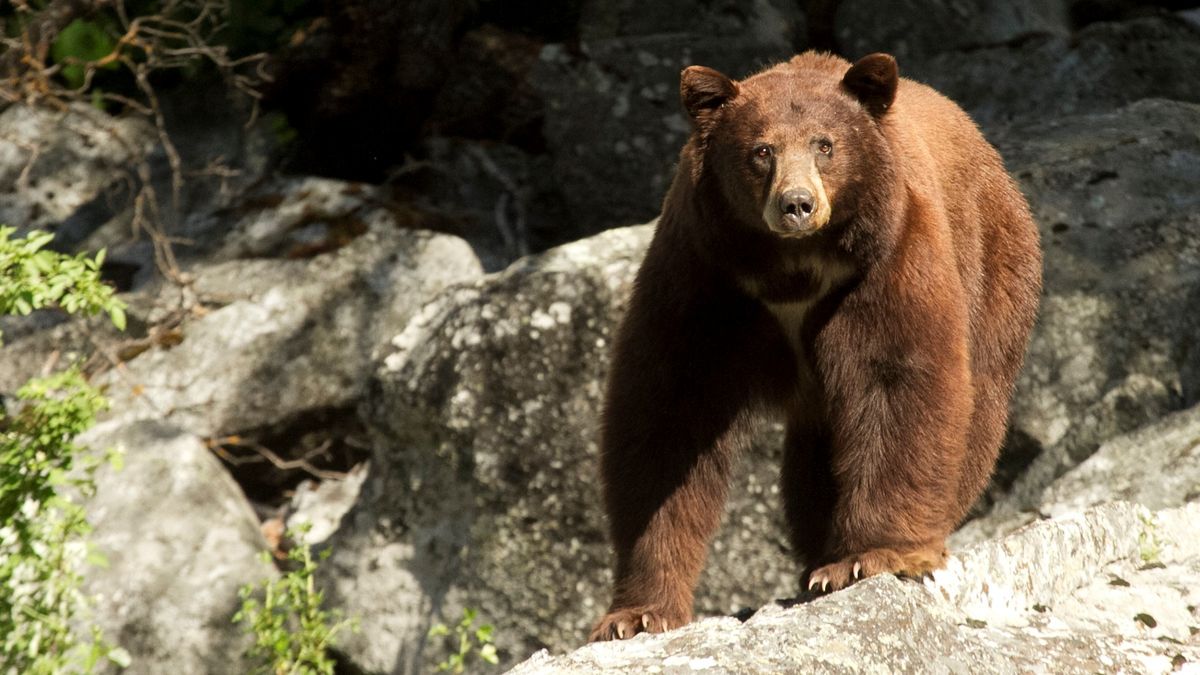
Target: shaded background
column 310, row 282
column 521, row 125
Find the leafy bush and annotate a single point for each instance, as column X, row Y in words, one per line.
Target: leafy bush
column 470, row 641
column 32, row 278
column 44, row 474
column 292, row 632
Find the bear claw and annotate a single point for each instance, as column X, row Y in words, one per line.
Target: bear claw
column 917, row 563
column 623, row 624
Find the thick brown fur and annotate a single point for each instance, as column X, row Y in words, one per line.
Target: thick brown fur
column 884, row 315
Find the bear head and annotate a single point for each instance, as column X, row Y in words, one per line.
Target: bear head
column 792, row 149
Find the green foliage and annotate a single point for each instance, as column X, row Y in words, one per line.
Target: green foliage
column 292, row 632
column 471, row 641
column 80, row 42
column 42, row 540
column 32, row 278
column 44, row 474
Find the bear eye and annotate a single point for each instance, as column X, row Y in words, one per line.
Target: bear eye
column 762, row 151
column 825, row 147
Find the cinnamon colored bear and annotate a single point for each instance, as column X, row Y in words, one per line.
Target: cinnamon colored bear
column 841, row 247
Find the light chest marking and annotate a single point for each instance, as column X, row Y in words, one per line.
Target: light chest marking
column 826, row 274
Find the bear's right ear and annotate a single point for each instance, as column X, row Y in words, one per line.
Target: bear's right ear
column 704, row 89
column 873, row 80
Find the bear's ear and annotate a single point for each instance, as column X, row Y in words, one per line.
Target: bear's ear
column 872, row 80
column 704, row 89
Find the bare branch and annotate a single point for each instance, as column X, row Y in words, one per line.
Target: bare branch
column 217, row 445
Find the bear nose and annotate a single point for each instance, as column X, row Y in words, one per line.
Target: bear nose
column 797, row 202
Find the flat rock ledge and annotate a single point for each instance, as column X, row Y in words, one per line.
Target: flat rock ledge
column 1112, row 589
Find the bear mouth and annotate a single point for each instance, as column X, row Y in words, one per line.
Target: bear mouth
column 792, row 225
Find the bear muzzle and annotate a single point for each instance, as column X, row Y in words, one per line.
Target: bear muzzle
column 797, row 206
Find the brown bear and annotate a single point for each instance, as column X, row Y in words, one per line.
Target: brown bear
column 842, row 247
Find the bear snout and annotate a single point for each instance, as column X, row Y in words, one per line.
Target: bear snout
column 797, row 202
column 797, row 207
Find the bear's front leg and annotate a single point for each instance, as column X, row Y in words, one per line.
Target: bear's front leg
column 665, row 462
column 915, row 562
column 661, row 518
column 684, row 379
column 897, row 381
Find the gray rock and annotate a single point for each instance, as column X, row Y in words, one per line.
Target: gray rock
column 504, row 201
column 180, row 541
column 1115, row 197
column 916, row 29
column 1157, row 466
column 1191, row 16
column 54, row 162
column 267, row 340
column 320, row 505
column 483, row 491
column 48, row 340
column 1100, row 68
column 1071, row 595
column 300, row 218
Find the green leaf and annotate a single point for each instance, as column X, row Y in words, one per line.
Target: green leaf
column 81, row 41
column 120, row 657
column 117, row 314
column 488, row 653
column 97, row 559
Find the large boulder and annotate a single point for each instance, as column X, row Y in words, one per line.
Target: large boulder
column 503, row 200
column 180, row 540
column 917, row 29
column 483, row 490
column 1157, row 466
column 1100, row 68
column 54, row 162
column 1078, row 594
column 1113, row 349
column 769, row 21
column 263, row 341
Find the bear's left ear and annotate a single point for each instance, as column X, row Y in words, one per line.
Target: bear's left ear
column 872, row 80
column 704, row 89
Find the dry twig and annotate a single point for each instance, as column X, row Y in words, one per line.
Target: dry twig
column 263, row 453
